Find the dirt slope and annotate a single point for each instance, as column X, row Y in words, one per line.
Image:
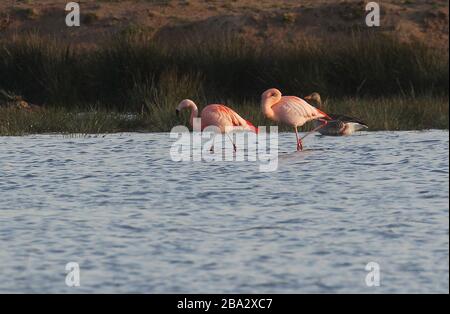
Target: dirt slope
column 259, row 20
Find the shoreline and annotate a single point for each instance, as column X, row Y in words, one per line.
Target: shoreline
column 390, row 114
column 131, row 133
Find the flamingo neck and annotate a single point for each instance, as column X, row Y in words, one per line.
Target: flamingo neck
column 194, row 113
column 267, row 110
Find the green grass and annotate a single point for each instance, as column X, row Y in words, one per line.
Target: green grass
column 397, row 113
column 390, row 84
column 402, row 113
column 15, row 122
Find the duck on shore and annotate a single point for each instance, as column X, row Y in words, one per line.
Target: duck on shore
column 340, row 124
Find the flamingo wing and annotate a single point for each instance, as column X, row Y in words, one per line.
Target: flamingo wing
column 295, row 111
column 236, row 119
column 225, row 116
column 230, row 114
column 302, row 108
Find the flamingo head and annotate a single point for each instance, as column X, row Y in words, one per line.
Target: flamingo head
column 272, row 93
column 314, row 99
column 268, row 99
column 186, row 103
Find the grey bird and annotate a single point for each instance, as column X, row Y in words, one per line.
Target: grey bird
column 340, row 124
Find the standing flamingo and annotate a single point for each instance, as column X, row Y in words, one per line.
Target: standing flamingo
column 217, row 115
column 292, row 111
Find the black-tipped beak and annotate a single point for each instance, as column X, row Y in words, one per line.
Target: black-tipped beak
column 177, row 112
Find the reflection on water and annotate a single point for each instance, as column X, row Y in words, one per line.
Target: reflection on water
column 137, row 222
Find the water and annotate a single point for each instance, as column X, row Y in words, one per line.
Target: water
column 136, row 221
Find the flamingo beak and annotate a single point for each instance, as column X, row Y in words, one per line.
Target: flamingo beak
column 177, row 112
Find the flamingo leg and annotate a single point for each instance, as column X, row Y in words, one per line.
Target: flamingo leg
column 299, row 140
column 324, row 123
column 232, row 142
column 212, row 146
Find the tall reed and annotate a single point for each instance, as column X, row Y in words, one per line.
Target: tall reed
column 135, row 73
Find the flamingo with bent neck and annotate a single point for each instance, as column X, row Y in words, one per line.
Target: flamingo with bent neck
column 291, row 110
column 221, row 116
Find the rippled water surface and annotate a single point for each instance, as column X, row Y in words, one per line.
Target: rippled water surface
column 136, row 221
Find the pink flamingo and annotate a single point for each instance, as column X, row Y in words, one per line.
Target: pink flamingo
column 292, row 111
column 221, row 116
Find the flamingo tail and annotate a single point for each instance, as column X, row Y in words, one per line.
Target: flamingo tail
column 324, row 114
column 252, row 127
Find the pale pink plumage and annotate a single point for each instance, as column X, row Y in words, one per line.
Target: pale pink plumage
column 226, row 119
column 289, row 110
column 223, row 117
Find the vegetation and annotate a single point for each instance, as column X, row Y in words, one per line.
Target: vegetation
column 390, row 84
column 397, row 113
column 14, row 122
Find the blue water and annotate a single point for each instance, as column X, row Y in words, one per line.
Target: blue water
column 136, row 221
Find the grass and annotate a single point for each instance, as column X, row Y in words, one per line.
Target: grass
column 402, row 113
column 26, row 13
column 397, row 113
column 15, row 122
column 390, row 84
